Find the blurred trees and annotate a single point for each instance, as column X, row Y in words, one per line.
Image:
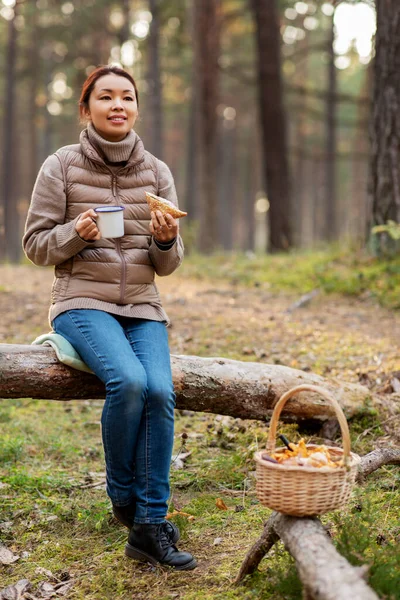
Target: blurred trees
column 207, row 17
column 11, row 240
column 385, row 152
column 243, row 119
column 273, row 122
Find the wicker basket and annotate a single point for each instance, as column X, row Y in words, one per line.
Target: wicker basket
column 300, row 491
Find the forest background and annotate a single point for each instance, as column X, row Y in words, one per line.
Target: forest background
column 261, row 109
column 280, row 122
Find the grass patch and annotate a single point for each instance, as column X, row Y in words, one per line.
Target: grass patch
column 62, row 525
column 11, row 449
column 334, row 270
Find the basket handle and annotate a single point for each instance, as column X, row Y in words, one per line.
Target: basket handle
column 308, row 388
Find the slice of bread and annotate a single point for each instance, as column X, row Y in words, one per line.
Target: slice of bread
column 165, row 206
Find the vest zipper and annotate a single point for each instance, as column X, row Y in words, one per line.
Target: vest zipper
column 118, row 246
column 123, row 270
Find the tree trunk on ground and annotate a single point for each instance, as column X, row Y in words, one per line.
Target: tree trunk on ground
column 207, row 20
column 385, row 131
column 273, row 123
column 9, row 200
column 331, row 210
column 154, row 82
column 241, row 389
column 325, row 574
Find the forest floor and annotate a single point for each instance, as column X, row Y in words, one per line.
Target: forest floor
column 54, row 512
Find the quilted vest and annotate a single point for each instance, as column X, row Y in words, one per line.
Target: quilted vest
column 112, row 270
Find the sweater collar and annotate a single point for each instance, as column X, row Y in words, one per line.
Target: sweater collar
column 130, row 149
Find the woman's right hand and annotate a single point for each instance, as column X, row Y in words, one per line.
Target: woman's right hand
column 86, row 226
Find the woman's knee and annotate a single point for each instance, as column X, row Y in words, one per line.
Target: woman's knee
column 161, row 396
column 128, row 385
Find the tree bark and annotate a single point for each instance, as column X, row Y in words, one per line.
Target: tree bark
column 207, row 19
column 385, row 130
column 325, row 574
column 154, row 82
column 191, row 204
column 376, row 459
column 229, row 387
column 9, row 200
column 331, row 217
column 273, row 123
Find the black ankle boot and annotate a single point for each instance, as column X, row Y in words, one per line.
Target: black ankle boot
column 126, row 514
column 153, row 544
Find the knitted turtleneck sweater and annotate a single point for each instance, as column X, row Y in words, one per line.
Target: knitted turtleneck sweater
column 112, row 152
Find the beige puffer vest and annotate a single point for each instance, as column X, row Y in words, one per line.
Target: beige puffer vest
column 117, row 271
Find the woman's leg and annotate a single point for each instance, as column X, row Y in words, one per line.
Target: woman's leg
column 149, row 341
column 102, row 344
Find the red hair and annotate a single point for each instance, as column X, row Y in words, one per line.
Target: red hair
column 94, row 76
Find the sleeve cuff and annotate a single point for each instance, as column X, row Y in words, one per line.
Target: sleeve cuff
column 164, row 246
column 69, row 240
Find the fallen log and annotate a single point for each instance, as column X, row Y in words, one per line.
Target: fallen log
column 244, row 390
column 324, row 573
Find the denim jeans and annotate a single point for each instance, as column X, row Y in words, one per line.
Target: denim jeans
column 131, row 357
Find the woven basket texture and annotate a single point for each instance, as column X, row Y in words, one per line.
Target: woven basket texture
column 306, row 491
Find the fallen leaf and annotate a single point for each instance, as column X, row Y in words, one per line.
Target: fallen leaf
column 6, row 526
column 46, row 590
column 181, row 514
column 15, row 592
column 64, row 588
column 219, row 503
column 217, row 541
column 6, row 556
column 395, row 383
column 45, row 572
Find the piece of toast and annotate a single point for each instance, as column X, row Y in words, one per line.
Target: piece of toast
column 165, row 206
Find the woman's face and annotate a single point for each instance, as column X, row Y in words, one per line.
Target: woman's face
column 112, row 107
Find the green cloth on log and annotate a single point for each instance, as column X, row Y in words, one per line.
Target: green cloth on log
column 65, row 352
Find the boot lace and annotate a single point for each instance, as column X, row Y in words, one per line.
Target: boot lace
column 164, row 534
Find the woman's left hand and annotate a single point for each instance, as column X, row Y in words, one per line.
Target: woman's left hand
column 163, row 227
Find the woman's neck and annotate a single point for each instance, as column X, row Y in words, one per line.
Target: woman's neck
column 113, row 152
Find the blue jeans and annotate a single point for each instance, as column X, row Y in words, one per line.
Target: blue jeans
column 131, row 357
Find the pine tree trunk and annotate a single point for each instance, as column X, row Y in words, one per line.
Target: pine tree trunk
column 191, row 204
column 331, row 217
column 385, row 131
column 154, row 82
column 273, row 122
column 207, row 39
column 9, row 177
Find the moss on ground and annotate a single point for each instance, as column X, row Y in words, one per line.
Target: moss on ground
column 342, row 270
column 67, row 527
column 54, row 512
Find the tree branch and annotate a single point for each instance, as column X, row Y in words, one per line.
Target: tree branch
column 330, row 577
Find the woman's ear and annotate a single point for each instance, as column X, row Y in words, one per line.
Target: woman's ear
column 84, row 113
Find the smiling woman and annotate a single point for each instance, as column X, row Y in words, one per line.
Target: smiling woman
column 105, row 301
column 111, row 106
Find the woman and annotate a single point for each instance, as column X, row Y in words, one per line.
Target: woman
column 105, row 302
